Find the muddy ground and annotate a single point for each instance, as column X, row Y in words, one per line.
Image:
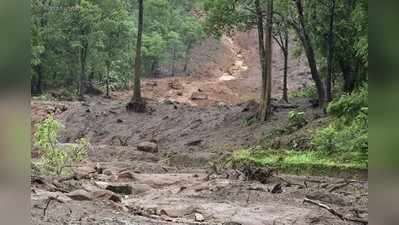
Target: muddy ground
column 172, row 186
column 194, row 122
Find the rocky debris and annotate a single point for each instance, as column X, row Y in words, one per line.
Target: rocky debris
column 199, row 96
column 44, row 195
column 199, row 217
column 84, row 172
column 179, row 93
column 125, row 176
column 178, row 211
column 175, row 84
column 151, row 83
column 123, row 189
column 80, row 195
column 106, row 195
column 150, row 147
column 261, row 174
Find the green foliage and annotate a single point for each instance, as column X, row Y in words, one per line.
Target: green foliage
column 56, row 160
column 348, row 132
column 96, row 40
column 296, row 118
column 307, row 92
column 301, row 163
column 349, row 106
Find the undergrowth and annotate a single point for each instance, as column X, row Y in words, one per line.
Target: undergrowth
column 341, row 145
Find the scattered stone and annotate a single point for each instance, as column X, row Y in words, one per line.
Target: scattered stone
column 125, row 176
column 148, row 147
column 102, row 185
column 198, row 96
column 106, row 195
column 123, row 189
column 151, row 83
column 80, row 195
column 199, row 217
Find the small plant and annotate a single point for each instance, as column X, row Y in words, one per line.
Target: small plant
column 296, row 119
column 307, row 92
column 54, row 159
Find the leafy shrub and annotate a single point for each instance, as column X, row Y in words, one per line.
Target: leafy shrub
column 348, row 106
column 307, row 92
column 296, row 118
column 348, row 132
column 54, row 159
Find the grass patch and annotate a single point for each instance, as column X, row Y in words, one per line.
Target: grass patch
column 304, row 163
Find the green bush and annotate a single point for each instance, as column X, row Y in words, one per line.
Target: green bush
column 296, row 118
column 348, row 106
column 348, row 132
column 307, row 92
column 54, row 159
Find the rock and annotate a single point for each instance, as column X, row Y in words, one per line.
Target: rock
column 125, row 176
column 198, row 96
column 140, row 188
column 179, row 93
column 151, row 83
column 175, row 85
column 119, row 121
column 199, row 217
column 106, row 195
column 80, row 195
column 45, row 195
column 102, row 185
column 123, row 189
column 178, row 211
column 148, row 147
column 84, row 172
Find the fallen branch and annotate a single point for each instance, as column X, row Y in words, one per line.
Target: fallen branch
column 334, row 212
column 339, row 186
column 50, row 199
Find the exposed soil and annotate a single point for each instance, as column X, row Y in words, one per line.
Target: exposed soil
column 176, row 183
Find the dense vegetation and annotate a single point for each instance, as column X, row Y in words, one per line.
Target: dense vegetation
column 86, row 43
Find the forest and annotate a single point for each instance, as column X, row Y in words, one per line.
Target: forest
column 199, row 112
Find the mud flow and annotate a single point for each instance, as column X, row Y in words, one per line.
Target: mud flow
column 159, row 167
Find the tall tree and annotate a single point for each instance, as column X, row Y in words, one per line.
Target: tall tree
column 303, row 33
column 137, row 103
column 330, row 52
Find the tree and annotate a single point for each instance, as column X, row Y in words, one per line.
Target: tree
column 137, row 103
column 224, row 16
column 330, row 52
column 303, row 33
column 281, row 37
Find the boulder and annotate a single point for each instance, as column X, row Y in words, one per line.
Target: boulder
column 199, row 217
column 150, row 147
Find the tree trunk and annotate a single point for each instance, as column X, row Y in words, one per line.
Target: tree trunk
column 348, row 73
column 82, row 80
column 107, row 81
column 262, row 115
column 187, row 58
column 330, row 52
column 303, row 35
column 37, row 88
column 285, row 81
column 269, row 54
column 137, row 103
column 174, row 63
